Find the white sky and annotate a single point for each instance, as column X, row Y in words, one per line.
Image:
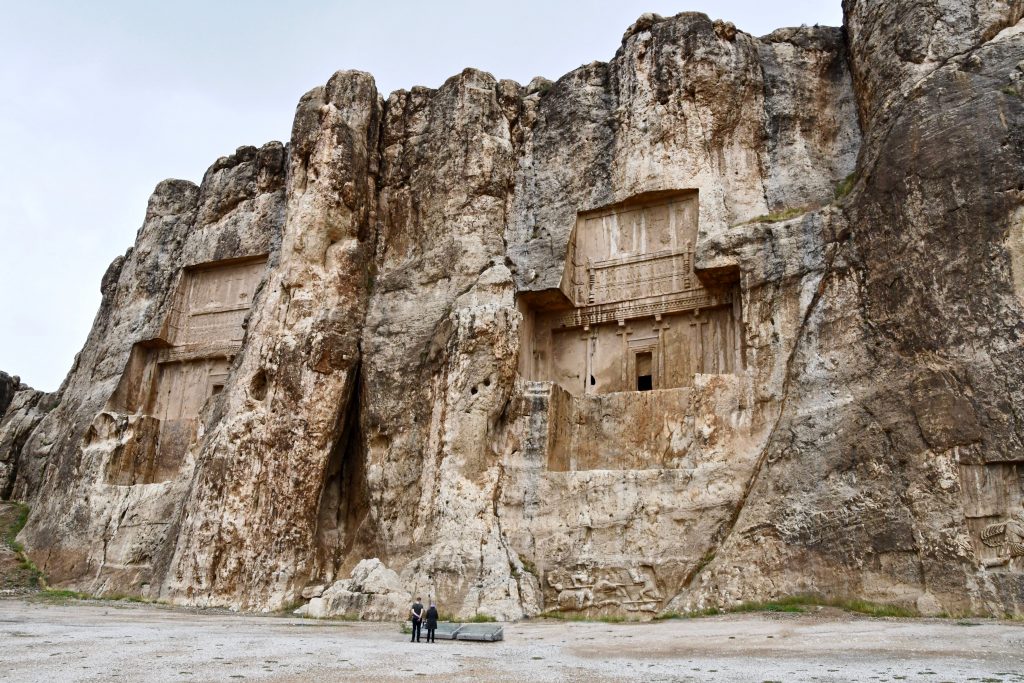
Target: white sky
column 101, row 100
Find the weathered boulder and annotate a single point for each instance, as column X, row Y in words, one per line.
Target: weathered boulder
column 372, row 593
column 314, row 591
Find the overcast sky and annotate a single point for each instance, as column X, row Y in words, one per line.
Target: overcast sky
column 101, row 100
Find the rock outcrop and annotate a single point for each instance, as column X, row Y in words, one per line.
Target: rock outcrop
column 8, row 387
column 21, row 410
column 19, row 476
column 373, row 593
column 723, row 319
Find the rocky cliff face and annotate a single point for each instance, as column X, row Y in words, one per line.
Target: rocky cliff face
column 8, row 387
column 423, row 332
column 26, row 407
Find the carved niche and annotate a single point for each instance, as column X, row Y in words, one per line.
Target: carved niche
column 993, row 495
column 631, row 313
column 152, row 416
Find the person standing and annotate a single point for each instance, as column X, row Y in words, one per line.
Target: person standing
column 431, row 622
column 416, row 614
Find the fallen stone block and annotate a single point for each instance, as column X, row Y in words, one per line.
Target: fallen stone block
column 481, row 632
column 446, row 630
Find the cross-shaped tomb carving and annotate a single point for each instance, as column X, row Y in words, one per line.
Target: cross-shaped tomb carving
column 632, row 314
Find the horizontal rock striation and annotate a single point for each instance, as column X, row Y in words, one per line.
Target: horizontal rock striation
column 725, row 318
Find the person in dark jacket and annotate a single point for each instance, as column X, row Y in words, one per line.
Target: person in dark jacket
column 416, row 615
column 431, row 622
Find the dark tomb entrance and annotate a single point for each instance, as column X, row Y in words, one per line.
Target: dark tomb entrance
column 644, row 376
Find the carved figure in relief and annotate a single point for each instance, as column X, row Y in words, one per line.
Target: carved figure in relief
column 573, row 591
column 611, row 591
column 649, row 590
column 1008, row 536
column 634, row 589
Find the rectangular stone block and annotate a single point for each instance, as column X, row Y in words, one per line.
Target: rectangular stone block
column 446, row 630
column 481, row 632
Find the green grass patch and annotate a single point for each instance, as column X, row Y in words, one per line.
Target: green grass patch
column 873, row 609
column 667, row 616
column 529, row 567
column 771, row 606
column 796, row 604
column 480, row 619
column 26, row 564
column 11, row 533
column 845, row 186
column 35, row 578
column 124, row 597
column 696, row 614
column 290, row 606
column 704, row 562
column 856, row 605
column 579, row 616
column 1011, row 91
column 61, row 594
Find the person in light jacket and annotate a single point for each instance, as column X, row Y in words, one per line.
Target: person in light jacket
column 431, row 622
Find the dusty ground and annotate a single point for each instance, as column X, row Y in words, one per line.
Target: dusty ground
column 124, row 642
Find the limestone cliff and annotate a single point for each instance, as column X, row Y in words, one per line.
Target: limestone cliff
column 21, row 409
column 724, row 318
column 9, row 386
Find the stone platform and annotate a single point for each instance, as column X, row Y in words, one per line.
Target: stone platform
column 488, row 633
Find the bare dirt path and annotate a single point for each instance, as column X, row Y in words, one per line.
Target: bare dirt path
column 89, row 641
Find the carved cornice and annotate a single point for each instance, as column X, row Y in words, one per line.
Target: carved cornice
column 691, row 300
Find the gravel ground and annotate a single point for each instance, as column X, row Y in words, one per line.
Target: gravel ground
column 95, row 641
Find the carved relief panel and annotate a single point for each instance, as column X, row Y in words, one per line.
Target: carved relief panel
column 585, row 589
column 631, row 251
column 182, row 390
column 168, row 380
column 636, row 317
column 214, row 301
column 993, row 496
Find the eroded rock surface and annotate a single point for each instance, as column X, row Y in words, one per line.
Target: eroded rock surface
column 19, row 476
column 372, row 593
column 725, row 318
column 8, row 387
column 21, row 409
